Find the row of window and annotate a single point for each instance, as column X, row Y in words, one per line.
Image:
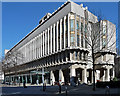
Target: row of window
column 104, row 39
column 79, row 55
column 78, row 26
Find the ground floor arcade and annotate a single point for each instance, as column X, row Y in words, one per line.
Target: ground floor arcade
column 65, row 74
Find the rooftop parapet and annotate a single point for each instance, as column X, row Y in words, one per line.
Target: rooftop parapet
column 45, row 17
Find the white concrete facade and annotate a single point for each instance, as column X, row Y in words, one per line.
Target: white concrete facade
column 57, row 44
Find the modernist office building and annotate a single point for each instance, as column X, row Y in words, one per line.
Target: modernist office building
column 57, row 51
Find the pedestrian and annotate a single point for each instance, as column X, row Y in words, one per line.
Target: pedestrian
column 24, row 84
column 78, row 82
column 107, row 91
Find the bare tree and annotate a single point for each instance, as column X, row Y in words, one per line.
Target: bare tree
column 12, row 59
column 99, row 41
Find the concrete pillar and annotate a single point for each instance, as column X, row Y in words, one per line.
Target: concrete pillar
column 43, row 43
column 75, row 32
column 48, row 39
column 95, row 77
column 80, row 32
column 102, row 72
column 92, row 76
column 61, row 77
column 83, row 33
column 52, row 78
column 11, row 79
column 60, row 34
column 68, row 30
column 43, row 75
column 26, row 78
column 64, row 33
column 72, row 72
column 84, row 75
column 30, row 78
column 34, row 47
column 54, row 38
column 22, row 79
column 113, row 75
column 107, row 74
column 57, row 35
column 51, row 39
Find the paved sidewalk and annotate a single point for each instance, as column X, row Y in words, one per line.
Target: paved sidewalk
column 83, row 90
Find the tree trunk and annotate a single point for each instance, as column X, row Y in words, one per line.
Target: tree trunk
column 93, row 69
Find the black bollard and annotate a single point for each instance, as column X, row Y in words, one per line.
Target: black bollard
column 59, row 88
column 107, row 91
column 66, row 90
column 43, row 87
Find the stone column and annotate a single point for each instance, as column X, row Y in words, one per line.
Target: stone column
column 68, row 30
column 43, row 44
column 113, row 75
column 51, row 39
column 102, row 75
column 11, row 79
column 75, row 32
column 84, row 75
column 30, row 78
column 52, row 78
column 26, row 78
column 61, row 77
column 60, row 34
column 92, row 76
column 48, row 39
column 43, row 75
column 72, row 72
column 107, row 74
column 80, row 32
column 22, row 79
column 54, row 38
column 57, row 34
column 64, row 32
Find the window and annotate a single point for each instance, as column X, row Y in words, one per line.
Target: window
column 85, row 34
column 76, row 53
column 72, row 23
column 72, row 30
column 81, row 34
column 80, row 56
column 72, row 54
column 104, row 39
column 72, row 35
column 66, row 30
